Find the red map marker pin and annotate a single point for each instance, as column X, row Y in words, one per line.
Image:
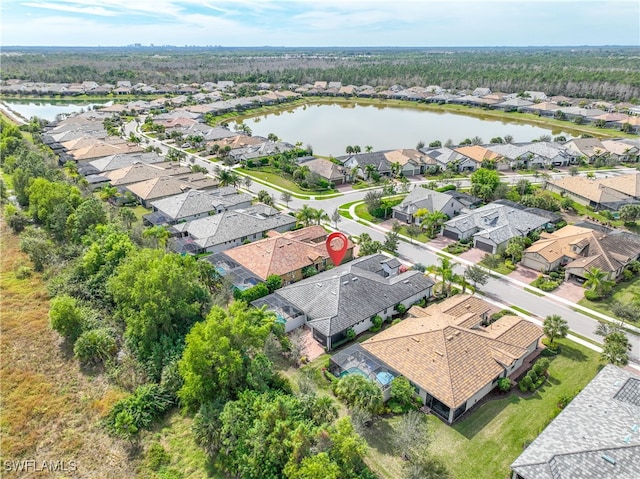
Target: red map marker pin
column 337, row 245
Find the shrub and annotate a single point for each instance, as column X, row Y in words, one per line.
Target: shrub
column 95, row 346
column 564, row 400
column 509, row 264
column 351, row 334
column 444, row 188
column 256, row 292
column 592, row 295
column 138, row 410
column 532, row 374
column 504, row 384
column 544, row 364
column 403, row 394
column 554, row 275
column 400, row 308
column 157, row 457
column 525, row 384
column 66, row 317
column 627, row 275
column 396, row 321
column 420, row 267
column 377, row 323
column 23, row 272
column 537, row 369
column 358, row 391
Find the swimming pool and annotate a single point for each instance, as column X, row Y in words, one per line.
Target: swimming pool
column 354, row 370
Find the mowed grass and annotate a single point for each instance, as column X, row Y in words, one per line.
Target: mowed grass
column 625, row 292
column 485, row 443
column 283, row 183
column 49, row 410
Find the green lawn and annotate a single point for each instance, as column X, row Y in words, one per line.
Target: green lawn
column 487, row 441
column 275, row 179
column 626, row 292
column 362, row 213
column 501, row 268
column 422, row 237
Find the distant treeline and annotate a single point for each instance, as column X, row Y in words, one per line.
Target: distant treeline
column 610, row 73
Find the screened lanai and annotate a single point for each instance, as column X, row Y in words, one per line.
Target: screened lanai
column 355, row 360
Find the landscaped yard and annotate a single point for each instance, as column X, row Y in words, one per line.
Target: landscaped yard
column 485, row 443
column 422, row 237
column 279, row 181
column 626, row 292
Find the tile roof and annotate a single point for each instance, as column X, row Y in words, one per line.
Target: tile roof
column 115, row 162
column 195, row 202
column 603, row 191
column 144, row 171
column 425, row 198
column 282, row 253
column 597, row 436
column 231, row 225
column 450, row 361
column 477, row 153
column 337, row 299
column 168, row 185
column 325, row 168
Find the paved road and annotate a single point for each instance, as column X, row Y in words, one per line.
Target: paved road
column 499, row 289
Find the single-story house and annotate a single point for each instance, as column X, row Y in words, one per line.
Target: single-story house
column 326, row 169
column 115, row 162
column 480, row 154
column 449, row 159
column 347, row 297
column 220, row 232
column 144, row 171
column 194, row 204
column 147, row 191
column 287, row 254
column 599, row 194
column 447, row 353
column 423, row 198
column 359, row 162
column 533, row 155
column 587, row 148
column 596, row 435
column 493, row 225
column 412, row 162
column 580, row 248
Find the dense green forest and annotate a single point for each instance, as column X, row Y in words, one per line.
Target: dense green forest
column 591, row 72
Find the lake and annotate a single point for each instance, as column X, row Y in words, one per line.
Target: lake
column 329, row 128
column 48, row 110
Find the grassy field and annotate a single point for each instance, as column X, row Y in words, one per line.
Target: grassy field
column 484, row 443
column 626, row 292
column 49, row 409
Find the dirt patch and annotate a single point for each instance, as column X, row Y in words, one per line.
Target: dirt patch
column 50, row 410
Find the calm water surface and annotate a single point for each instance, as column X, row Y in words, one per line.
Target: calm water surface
column 48, row 110
column 330, row 128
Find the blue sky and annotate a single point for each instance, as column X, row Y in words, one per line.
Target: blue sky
column 320, row 22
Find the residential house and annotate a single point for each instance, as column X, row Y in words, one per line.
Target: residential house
column 597, row 435
column 347, row 297
column 289, row 255
column 446, row 158
column 147, row 191
column 423, row 198
column 479, row 154
column 194, row 204
column 144, row 171
column 539, row 154
column 359, row 163
column 228, row 229
column 447, row 352
column 493, row 225
column 261, row 150
column 115, row 162
column 621, row 151
column 599, row 194
column 325, row 169
column 580, row 248
column 412, row 162
column 588, row 149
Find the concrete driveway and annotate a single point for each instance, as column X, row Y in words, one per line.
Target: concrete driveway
column 474, row 255
column 570, row 290
column 524, row 274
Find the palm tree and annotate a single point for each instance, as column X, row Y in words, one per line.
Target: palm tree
column 433, row 221
column 356, row 149
column 596, row 280
column 319, row 215
column 349, row 150
column 396, row 168
column 555, row 327
column 616, row 348
column 228, row 177
column 286, row 197
column 305, row 215
column 354, row 172
column 445, row 271
column 369, row 170
column 108, row 192
column 368, row 148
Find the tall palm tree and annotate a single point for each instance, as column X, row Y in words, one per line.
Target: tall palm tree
column 349, row 150
column 445, row 271
column 305, row 215
column 396, row 168
column 368, row 148
column 433, row 221
column 369, row 170
column 555, row 327
column 319, row 215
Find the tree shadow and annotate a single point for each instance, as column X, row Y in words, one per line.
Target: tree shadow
column 572, row 353
column 553, row 380
column 379, row 436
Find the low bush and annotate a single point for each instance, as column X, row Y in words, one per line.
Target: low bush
column 95, row 346
column 592, row 295
column 138, row 410
column 525, row 384
column 546, row 284
column 401, row 308
column 532, row 374
column 377, row 324
column 504, row 384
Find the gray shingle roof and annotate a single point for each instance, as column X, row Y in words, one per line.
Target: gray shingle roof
column 424, row 198
column 600, row 422
column 337, row 299
column 115, row 162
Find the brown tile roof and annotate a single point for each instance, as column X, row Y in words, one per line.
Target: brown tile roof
column 449, row 361
column 477, row 153
column 282, row 253
column 168, row 186
column 403, row 156
column 144, row 171
column 627, row 184
column 590, row 189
